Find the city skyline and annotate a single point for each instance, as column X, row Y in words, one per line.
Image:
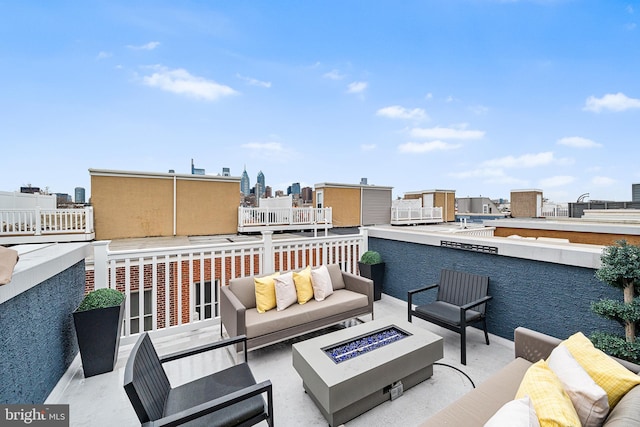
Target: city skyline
column 477, row 96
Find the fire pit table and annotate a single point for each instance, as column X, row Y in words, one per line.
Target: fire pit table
column 352, row 370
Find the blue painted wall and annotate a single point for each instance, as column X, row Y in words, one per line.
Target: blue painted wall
column 38, row 341
column 551, row 298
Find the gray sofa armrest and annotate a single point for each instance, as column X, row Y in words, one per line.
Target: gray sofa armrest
column 532, row 345
column 231, row 313
column 361, row 285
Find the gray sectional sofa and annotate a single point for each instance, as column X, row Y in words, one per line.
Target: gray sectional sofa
column 352, row 296
column 476, row 407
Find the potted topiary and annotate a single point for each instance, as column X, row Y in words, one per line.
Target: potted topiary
column 372, row 267
column 620, row 269
column 98, row 322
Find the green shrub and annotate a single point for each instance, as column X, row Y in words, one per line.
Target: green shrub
column 101, row 298
column 371, row 257
column 616, row 346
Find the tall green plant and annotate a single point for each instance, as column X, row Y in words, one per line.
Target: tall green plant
column 621, row 269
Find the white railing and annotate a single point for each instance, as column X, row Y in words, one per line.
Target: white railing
column 181, row 284
column 479, row 231
column 284, row 217
column 415, row 214
column 38, row 222
column 555, row 212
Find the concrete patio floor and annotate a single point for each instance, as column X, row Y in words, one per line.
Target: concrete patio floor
column 102, row 401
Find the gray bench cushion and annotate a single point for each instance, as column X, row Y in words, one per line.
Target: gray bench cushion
column 627, row 412
column 338, row 302
column 446, row 312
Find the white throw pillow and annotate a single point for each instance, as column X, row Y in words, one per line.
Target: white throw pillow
column 589, row 399
column 321, row 281
column 516, row 413
column 285, row 291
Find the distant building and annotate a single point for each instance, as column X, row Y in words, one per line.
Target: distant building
column 294, row 189
column 268, row 192
column 226, row 172
column 261, row 185
column 307, row 194
column 63, row 199
column 79, row 195
column 196, row 171
column 635, row 192
column 245, row 185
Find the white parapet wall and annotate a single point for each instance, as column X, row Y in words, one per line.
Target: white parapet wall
column 16, row 200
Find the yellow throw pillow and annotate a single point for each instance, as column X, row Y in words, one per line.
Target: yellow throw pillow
column 265, row 292
column 304, row 287
column 551, row 403
column 614, row 378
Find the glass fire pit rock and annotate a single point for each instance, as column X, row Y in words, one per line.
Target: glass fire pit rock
column 365, row 343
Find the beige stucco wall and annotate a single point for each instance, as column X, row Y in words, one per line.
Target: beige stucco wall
column 137, row 204
column 345, row 205
column 205, row 208
column 524, row 204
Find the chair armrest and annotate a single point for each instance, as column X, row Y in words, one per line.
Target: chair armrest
column 217, row 404
column 426, row 288
column 206, row 347
column 475, row 303
column 232, row 313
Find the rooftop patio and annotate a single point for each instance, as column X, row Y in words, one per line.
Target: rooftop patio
column 101, row 400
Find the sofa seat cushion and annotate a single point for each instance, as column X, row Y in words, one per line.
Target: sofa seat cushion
column 627, row 411
column 341, row 301
column 476, row 407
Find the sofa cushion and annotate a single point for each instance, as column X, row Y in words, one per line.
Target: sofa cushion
column 477, row 406
column 627, row 411
column 321, row 282
column 285, row 291
column 304, row 288
column 265, row 292
column 614, row 378
column 552, row 404
column 515, row 413
column 245, row 290
column 336, row 276
column 341, row 301
column 588, row 398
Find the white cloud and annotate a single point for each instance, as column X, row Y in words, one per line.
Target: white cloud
column 429, row 95
column 104, row 55
column 357, row 87
column 614, row 102
column 578, row 142
column 479, row 173
column 479, row 109
column 602, row 181
column 446, row 133
column 556, row 181
column 424, row 147
column 264, row 146
column 148, row 46
column 254, row 82
column 334, row 75
column 367, row 147
column 524, row 161
column 398, row 112
column 181, row 82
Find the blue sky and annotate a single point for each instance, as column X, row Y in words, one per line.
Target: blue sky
column 477, row 96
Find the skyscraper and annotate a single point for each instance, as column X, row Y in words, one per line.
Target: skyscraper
column 261, row 185
column 79, row 193
column 245, row 185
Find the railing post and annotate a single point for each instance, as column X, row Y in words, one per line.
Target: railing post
column 88, row 219
column 38, row 226
column 268, row 261
column 100, row 260
column 364, row 231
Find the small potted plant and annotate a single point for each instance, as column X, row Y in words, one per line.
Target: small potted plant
column 372, row 267
column 98, row 323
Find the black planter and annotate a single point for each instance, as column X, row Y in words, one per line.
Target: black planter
column 374, row 272
column 98, row 332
